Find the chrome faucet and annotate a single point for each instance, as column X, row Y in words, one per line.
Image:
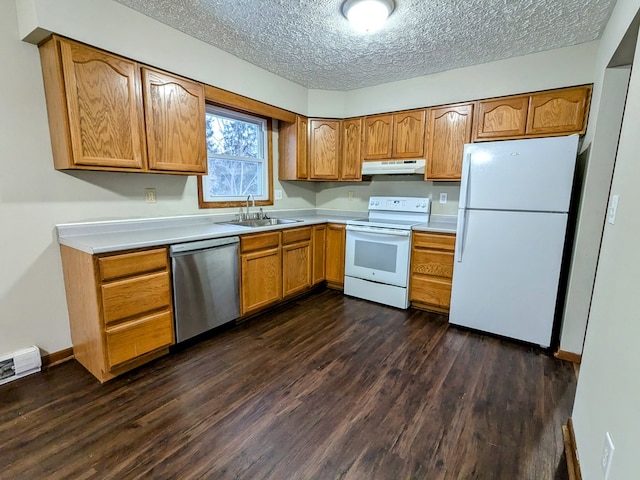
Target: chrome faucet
column 250, row 196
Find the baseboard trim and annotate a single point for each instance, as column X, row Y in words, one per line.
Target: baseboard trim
column 570, row 451
column 568, row 356
column 57, row 357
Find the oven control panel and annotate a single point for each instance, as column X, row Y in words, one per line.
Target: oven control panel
column 400, row 204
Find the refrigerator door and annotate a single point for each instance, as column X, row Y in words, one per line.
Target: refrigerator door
column 532, row 174
column 505, row 277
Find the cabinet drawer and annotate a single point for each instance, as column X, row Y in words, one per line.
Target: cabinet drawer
column 432, row 262
column 129, row 264
column 135, row 296
column 431, row 291
column 294, row 235
column 132, row 339
column 440, row 241
column 259, row 241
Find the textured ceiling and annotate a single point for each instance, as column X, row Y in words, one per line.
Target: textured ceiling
column 310, row 43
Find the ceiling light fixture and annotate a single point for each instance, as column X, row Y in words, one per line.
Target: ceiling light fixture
column 367, row 15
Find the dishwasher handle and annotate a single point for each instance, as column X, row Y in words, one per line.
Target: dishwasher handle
column 191, row 247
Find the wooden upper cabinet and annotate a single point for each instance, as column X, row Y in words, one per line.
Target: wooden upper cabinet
column 324, row 149
column 94, row 106
column 378, row 135
column 351, row 165
column 408, row 134
column 107, row 113
column 175, row 122
column 448, row 129
column 302, row 148
column 500, row 118
column 293, row 162
column 562, row 111
column 543, row 114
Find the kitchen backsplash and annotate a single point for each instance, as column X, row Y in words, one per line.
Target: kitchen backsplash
column 355, row 196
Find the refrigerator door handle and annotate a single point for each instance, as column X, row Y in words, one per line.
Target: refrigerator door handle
column 466, row 174
column 462, row 222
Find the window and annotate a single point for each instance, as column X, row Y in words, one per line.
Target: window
column 239, row 159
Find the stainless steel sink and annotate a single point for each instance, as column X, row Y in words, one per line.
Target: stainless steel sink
column 262, row 222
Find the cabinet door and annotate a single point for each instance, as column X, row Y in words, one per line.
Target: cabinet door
column 175, row 120
column 501, row 118
column 317, row 253
column 431, row 270
column 293, row 161
column 559, row 111
column 324, row 149
column 351, row 165
column 378, row 132
column 296, row 268
column 334, row 254
column 449, row 128
column 302, row 147
column 104, row 103
column 261, row 277
column 408, row 134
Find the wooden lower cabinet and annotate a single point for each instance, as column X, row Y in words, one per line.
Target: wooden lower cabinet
column 296, row 260
column 260, row 271
column 279, row 265
column 120, row 309
column 318, row 254
column 431, row 270
column 334, row 255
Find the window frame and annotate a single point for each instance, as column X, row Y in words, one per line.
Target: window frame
column 268, row 160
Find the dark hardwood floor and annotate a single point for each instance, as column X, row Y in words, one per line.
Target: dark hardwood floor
column 325, row 387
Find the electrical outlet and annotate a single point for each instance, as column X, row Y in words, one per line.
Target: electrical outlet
column 607, row 455
column 443, row 197
column 278, row 194
column 350, row 195
column 613, row 208
column 150, row 195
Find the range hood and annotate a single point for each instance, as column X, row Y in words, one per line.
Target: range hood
column 393, row 167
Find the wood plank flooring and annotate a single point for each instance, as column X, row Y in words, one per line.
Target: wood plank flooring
column 326, row 387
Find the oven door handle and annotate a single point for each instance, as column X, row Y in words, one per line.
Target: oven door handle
column 381, row 231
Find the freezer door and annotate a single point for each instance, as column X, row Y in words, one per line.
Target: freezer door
column 505, row 277
column 532, row 174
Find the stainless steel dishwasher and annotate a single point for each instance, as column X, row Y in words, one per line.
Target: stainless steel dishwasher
column 205, row 285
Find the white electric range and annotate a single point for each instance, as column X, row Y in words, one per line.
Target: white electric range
column 378, row 249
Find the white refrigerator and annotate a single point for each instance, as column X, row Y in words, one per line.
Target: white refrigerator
column 512, row 220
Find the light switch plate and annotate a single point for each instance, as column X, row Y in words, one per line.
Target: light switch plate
column 278, row 194
column 443, row 197
column 613, row 208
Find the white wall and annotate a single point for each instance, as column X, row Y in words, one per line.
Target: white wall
column 336, row 195
column 597, row 167
column 113, row 27
column 608, row 392
column 540, row 71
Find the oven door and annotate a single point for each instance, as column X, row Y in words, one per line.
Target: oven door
column 379, row 255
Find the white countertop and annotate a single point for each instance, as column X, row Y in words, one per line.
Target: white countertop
column 118, row 235
column 439, row 223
